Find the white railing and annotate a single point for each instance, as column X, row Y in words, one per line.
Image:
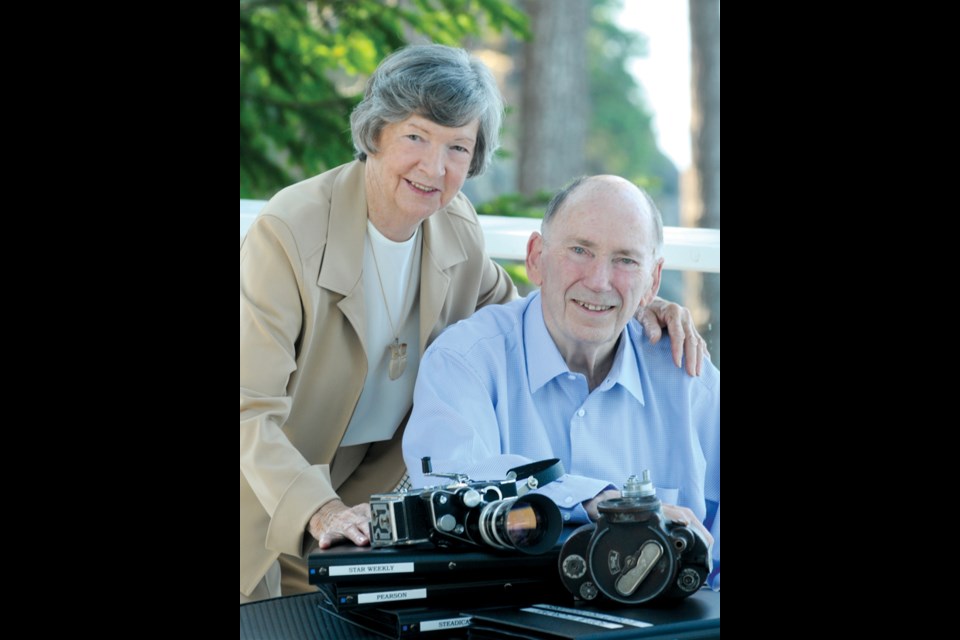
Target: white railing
column 684, row 249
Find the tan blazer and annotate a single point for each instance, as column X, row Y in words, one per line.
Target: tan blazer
column 302, row 358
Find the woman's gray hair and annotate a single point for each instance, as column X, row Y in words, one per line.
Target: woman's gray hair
column 444, row 84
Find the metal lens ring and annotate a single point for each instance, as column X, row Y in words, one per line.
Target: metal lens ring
column 530, row 524
column 489, row 517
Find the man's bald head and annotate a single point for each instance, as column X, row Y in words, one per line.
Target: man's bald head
column 586, row 188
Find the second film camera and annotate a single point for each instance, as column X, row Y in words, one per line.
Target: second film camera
column 501, row 514
column 634, row 554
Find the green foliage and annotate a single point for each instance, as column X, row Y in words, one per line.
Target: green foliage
column 516, row 205
column 302, row 67
column 518, row 273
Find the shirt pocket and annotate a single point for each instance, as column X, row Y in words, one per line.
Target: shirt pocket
column 667, row 495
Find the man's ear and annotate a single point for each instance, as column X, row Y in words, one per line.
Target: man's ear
column 655, row 284
column 534, row 254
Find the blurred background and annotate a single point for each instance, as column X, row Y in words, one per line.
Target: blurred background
column 628, row 87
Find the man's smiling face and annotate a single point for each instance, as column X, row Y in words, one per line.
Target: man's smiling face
column 595, row 264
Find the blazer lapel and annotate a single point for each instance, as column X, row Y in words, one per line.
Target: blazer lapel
column 442, row 249
column 342, row 268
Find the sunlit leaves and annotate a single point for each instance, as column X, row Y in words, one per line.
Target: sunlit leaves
column 302, row 67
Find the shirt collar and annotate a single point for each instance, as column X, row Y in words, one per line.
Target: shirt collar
column 626, row 370
column 547, row 362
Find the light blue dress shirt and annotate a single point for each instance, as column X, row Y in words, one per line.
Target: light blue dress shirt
column 493, row 392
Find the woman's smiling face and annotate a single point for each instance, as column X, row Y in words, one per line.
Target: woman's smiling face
column 418, row 169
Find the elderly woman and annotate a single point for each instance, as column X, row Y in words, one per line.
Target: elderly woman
column 345, row 279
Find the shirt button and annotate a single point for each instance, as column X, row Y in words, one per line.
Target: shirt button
column 581, row 413
column 568, row 499
column 570, row 376
column 566, row 516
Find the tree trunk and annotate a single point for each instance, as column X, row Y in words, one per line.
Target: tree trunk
column 705, row 130
column 555, row 103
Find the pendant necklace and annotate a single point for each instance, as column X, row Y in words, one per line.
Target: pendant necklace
column 397, row 349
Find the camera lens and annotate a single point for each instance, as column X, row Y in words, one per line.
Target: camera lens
column 530, row 524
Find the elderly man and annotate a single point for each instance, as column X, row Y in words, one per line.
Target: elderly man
column 567, row 372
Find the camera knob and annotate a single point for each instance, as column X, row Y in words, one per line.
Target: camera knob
column 471, row 498
column 688, row 580
column 447, row 523
column 574, row 566
column 637, row 488
column 588, row 591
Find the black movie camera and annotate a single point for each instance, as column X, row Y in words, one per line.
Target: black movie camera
column 633, row 553
column 500, row 513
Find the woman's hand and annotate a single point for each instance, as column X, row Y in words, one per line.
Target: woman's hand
column 684, row 339
column 335, row 522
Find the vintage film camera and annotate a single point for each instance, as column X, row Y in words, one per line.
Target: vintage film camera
column 501, row 514
column 633, row 553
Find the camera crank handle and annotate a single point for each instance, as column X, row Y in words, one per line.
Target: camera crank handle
column 647, row 557
column 426, row 466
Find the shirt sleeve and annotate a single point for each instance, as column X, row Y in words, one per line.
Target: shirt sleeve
column 714, row 579
column 288, row 487
column 453, row 422
column 707, row 410
column 570, row 491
